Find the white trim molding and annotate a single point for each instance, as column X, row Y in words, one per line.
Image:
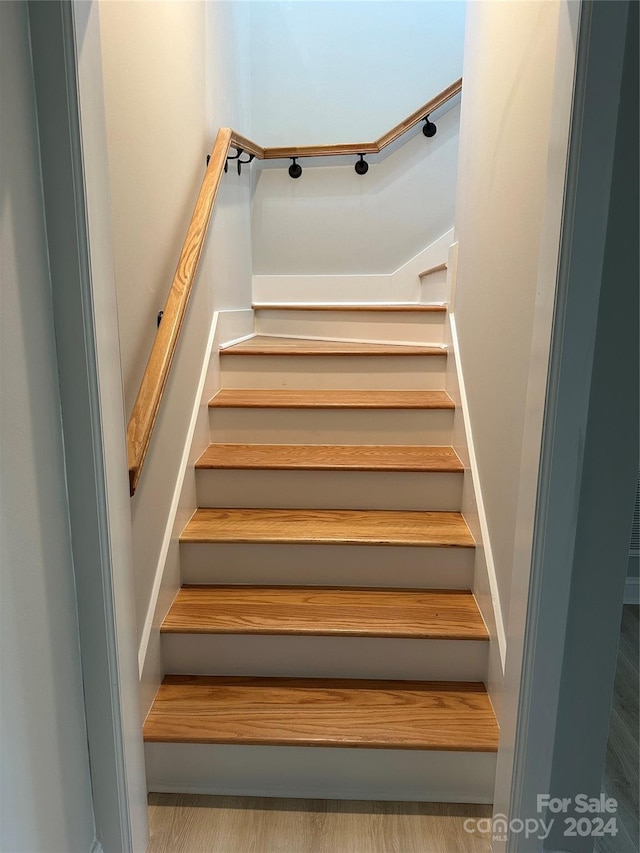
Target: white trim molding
column 226, row 326
column 556, row 741
column 473, row 507
column 402, row 285
column 65, row 44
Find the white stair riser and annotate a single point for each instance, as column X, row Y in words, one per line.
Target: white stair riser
column 331, row 426
column 394, row 327
column 399, row 566
column 400, row 373
column 298, row 656
column 330, row 489
column 327, row 773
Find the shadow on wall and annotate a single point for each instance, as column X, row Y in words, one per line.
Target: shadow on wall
column 334, row 221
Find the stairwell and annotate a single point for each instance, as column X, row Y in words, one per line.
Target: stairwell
column 325, row 641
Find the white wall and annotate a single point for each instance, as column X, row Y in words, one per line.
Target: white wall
column 505, row 141
column 330, row 71
column 334, row 221
column 154, row 83
column 45, row 785
column 173, row 74
column 228, row 66
column 336, row 71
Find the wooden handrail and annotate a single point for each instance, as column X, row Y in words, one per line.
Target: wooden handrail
column 351, row 147
column 238, row 141
column 154, row 380
column 411, row 121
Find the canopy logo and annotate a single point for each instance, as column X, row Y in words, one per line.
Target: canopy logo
column 598, row 823
column 499, row 827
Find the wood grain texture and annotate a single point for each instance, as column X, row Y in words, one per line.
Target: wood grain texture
column 187, row 823
column 331, row 457
column 331, row 150
column 407, row 307
column 272, row 345
column 436, row 268
column 323, row 712
column 339, row 527
column 317, row 399
column 368, row 147
column 417, row 116
column 330, row 612
column 247, row 145
column 154, row 380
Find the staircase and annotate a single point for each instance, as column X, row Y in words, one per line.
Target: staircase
column 325, row 641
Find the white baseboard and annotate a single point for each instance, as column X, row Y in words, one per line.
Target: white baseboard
column 485, row 585
column 162, row 559
column 485, row 581
column 225, row 325
column 401, row 285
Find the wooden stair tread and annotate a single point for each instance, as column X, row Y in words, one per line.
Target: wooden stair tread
column 363, row 306
column 323, row 712
column 323, row 611
column 331, row 399
column 328, row 457
column 281, row 346
column 358, row 527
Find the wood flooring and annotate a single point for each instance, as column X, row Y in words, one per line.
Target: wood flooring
column 187, row 823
